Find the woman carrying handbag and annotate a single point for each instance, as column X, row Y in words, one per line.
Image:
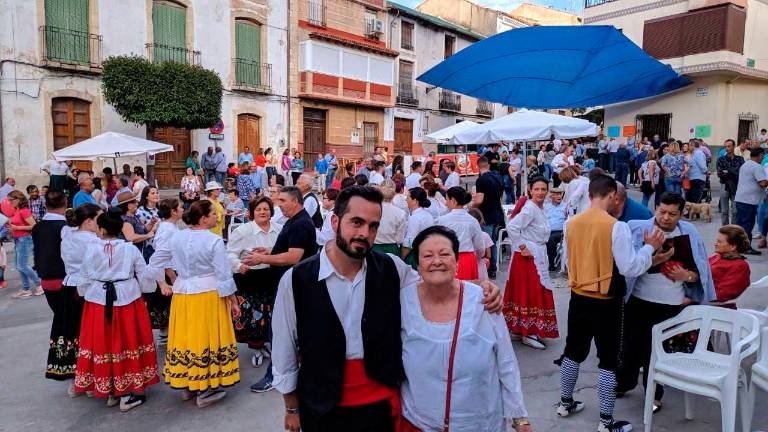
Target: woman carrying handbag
column 461, row 371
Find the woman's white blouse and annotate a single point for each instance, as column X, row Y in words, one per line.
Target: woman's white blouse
column 200, row 260
column 74, row 243
column 466, row 228
column 401, row 202
column 248, row 237
column 164, row 234
column 125, row 264
column 486, row 378
column 577, row 195
column 437, row 208
column 420, row 220
column 531, row 227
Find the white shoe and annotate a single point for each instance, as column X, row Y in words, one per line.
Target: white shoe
column 131, row 401
column 257, row 358
column 565, row 410
column 71, row 390
column 534, row 342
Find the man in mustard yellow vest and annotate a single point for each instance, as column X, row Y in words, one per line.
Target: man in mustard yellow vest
column 600, row 254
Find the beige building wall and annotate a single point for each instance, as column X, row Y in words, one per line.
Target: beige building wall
column 464, row 13
column 543, row 15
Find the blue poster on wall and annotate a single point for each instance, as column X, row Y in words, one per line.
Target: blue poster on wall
column 614, row 131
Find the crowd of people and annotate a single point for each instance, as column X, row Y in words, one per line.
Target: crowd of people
column 368, row 291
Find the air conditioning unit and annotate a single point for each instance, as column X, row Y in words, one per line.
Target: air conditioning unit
column 375, row 27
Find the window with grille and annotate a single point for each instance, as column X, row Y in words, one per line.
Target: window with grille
column 248, row 67
column 66, row 31
column 169, row 29
column 406, row 35
column 450, row 46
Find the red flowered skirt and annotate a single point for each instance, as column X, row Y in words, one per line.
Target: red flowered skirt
column 467, row 266
column 529, row 308
column 118, row 357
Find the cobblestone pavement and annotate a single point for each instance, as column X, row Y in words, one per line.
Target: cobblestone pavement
column 28, row 402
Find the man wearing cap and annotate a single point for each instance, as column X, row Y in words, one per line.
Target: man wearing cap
column 212, row 191
column 554, row 208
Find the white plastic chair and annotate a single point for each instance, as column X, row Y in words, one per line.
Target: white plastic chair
column 502, row 241
column 705, row 373
column 759, row 371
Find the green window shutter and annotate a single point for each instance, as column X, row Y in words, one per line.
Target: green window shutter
column 66, row 35
column 248, row 68
column 169, row 27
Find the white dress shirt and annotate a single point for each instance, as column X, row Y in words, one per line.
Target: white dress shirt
column 452, row 180
column 248, row 237
column 376, row 178
column 530, row 227
column 412, row 180
column 577, row 195
column 348, row 299
column 630, row 262
column 163, row 235
column 392, row 226
column 310, row 205
column 123, row 263
column 73, row 244
column 326, row 233
column 419, row 220
column 200, row 259
column 466, row 228
column 560, row 162
column 55, row 168
column 486, row 382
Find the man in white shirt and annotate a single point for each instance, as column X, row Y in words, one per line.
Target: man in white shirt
column 413, row 178
column 311, row 203
column 360, row 326
column 377, row 175
column 453, row 178
column 763, row 137
column 516, row 168
column 560, row 161
column 613, row 147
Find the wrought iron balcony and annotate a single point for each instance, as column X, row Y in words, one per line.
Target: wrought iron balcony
column 316, row 12
column 484, row 108
column 449, row 101
column 406, row 95
column 70, row 48
column 253, row 76
column 159, row 53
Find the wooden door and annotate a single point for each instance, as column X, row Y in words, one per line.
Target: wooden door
column 403, row 136
column 314, row 135
column 71, row 124
column 169, row 166
column 248, row 133
column 370, row 139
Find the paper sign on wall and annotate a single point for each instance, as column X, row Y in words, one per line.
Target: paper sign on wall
column 614, row 131
column 703, row 131
column 629, row 131
column 354, row 137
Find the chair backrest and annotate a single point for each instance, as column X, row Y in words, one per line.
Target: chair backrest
column 742, row 328
column 761, row 283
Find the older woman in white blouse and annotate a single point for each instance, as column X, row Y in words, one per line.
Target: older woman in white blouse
column 529, row 308
column 483, row 374
column 576, row 190
column 256, row 286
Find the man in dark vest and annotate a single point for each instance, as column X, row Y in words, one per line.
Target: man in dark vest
column 46, row 238
column 311, row 203
column 341, row 310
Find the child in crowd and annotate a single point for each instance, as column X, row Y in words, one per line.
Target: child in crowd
column 484, row 261
column 235, row 210
column 36, row 203
column 232, row 170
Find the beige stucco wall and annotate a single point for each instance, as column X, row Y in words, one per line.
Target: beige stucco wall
column 464, row 13
column 544, row 15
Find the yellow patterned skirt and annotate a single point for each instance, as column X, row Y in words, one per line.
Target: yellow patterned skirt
column 202, row 351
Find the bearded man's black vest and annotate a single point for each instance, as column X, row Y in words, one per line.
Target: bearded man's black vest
column 321, row 339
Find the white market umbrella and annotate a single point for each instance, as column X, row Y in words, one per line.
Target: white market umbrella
column 446, row 134
column 111, row 145
column 525, row 125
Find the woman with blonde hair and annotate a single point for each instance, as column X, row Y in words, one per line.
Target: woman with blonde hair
column 576, row 190
column 673, row 164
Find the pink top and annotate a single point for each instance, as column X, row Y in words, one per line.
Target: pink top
column 20, row 218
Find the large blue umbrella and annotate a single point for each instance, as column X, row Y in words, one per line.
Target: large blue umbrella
column 555, row 67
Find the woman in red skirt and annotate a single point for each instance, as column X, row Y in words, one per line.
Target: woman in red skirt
column 467, row 229
column 117, row 357
column 529, row 308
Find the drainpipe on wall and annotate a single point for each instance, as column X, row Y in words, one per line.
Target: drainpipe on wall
column 2, row 145
column 288, row 70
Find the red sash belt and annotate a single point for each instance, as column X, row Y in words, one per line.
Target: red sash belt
column 51, row 284
column 359, row 389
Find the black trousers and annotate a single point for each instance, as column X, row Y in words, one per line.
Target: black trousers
column 599, row 319
column 639, row 319
column 555, row 237
column 375, row 417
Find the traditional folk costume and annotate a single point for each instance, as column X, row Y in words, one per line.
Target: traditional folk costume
column 419, row 220
column 471, row 243
column 529, row 307
column 202, row 351
column 600, row 254
column 348, row 334
column 158, row 305
column 257, row 287
column 66, row 305
column 117, row 354
column 391, row 231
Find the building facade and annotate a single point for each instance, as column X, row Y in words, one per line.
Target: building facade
column 51, row 54
column 423, row 41
column 718, row 44
column 342, row 77
column 470, row 15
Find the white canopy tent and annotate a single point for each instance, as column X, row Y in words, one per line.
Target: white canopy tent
column 525, row 125
column 446, row 134
column 110, row 145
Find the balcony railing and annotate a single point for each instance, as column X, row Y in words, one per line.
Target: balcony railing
column 406, row 95
column 251, row 75
column 449, row 101
column 484, row 108
column 316, row 12
column 70, row 48
column 164, row 53
column 590, row 3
